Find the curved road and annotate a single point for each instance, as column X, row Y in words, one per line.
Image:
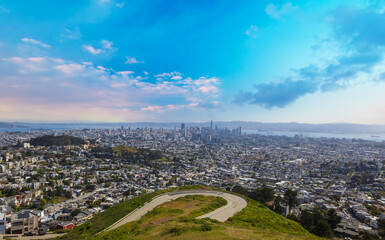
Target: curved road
column 234, row 204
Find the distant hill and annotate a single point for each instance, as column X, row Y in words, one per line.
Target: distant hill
column 50, row 140
column 9, row 125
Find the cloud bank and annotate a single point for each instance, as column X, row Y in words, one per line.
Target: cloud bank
column 359, row 35
column 54, row 85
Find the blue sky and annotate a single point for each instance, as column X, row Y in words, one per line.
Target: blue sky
column 269, row 61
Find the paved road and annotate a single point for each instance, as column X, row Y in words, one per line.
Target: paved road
column 56, row 207
column 19, row 237
column 234, row 205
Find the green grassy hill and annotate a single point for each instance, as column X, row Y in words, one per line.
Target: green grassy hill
column 177, row 220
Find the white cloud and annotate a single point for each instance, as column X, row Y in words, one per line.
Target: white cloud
column 107, row 44
column 92, row 50
column 277, row 12
column 71, row 34
column 14, row 59
column 203, row 85
column 170, row 107
column 132, row 60
column 252, row 31
column 35, row 42
column 125, row 73
column 101, row 68
column 168, row 75
column 57, row 60
column 70, row 69
column 120, row 5
column 32, row 64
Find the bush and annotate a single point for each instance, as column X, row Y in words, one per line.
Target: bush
column 176, row 231
column 206, row 227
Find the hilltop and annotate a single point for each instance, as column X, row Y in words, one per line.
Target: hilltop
column 177, row 220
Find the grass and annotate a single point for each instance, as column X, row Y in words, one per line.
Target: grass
column 256, row 215
column 120, row 149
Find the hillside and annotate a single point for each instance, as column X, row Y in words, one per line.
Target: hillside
column 164, row 222
column 50, row 140
column 177, row 220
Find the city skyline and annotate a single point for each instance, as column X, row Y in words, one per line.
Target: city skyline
column 192, row 61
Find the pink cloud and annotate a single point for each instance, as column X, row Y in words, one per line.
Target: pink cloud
column 53, row 85
column 71, row 68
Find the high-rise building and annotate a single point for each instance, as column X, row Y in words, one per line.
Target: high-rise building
column 182, row 126
column 211, row 125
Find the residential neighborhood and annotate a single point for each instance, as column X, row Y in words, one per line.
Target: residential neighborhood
column 57, row 187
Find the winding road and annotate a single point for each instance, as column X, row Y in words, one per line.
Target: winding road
column 234, row 204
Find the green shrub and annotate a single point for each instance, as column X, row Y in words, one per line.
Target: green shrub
column 176, row 231
column 206, row 227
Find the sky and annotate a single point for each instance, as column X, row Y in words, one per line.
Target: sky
column 167, row 60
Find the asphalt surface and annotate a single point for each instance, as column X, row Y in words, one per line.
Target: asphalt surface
column 56, row 207
column 234, row 204
column 20, row 237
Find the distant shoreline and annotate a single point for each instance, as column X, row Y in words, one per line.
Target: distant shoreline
column 340, row 131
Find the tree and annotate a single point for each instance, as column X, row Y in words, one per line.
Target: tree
column 306, row 220
column 290, row 198
column 133, row 191
column 59, row 191
column 67, row 194
column 240, row 190
column 277, row 204
column 171, row 182
column 293, row 217
column 333, row 219
column 266, row 193
column 381, row 227
column 316, row 223
column 66, row 182
column 90, row 187
column 263, row 194
column 322, row 229
column 75, row 212
column 368, row 236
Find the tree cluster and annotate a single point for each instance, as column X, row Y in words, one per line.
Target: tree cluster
column 50, row 140
column 266, row 194
column 58, row 192
column 320, row 222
